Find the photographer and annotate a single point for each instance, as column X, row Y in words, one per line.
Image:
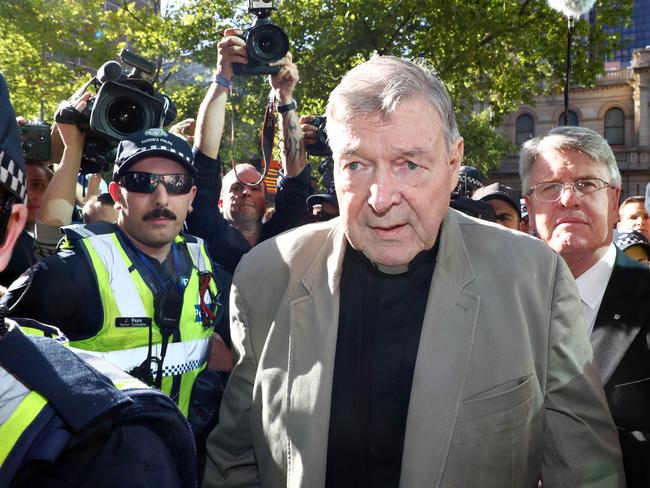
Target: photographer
column 38, row 179
column 235, row 225
column 59, row 200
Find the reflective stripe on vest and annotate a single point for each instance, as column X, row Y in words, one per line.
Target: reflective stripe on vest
column 180, row 358
column 119, row 278
column 124, row 294
column 18, row 409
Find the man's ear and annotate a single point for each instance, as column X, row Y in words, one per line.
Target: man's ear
column 193, row 192
column 456, row 152
column 220, row 203
column 116, row 194
column 614, row 215
column 15, row 225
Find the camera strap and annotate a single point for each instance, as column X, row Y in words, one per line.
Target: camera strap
column 267, row 138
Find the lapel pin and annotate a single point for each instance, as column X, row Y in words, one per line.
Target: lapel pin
column 616, row 316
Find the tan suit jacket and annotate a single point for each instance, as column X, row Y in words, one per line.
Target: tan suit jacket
column 503, row 387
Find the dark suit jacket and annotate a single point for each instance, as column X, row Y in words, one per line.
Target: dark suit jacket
column 622, row 351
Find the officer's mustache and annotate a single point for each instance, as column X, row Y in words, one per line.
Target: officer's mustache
column 157, row 213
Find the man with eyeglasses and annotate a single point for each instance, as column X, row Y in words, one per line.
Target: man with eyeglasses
column 572, row 187
column 140, row 292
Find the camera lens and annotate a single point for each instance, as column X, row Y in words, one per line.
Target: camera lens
column 125, row 116
column 267, row 43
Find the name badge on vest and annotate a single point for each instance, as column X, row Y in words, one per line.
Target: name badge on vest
column 132, row 322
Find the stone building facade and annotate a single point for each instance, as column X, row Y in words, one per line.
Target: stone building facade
column 617, row 108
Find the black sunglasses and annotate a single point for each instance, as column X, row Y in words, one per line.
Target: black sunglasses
column 141, row 182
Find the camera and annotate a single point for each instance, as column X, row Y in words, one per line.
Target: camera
column 265, row 42
column 125, row 104
column 35, row 140
column 321, row 147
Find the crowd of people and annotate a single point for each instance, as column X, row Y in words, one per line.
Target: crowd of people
column 410, row 326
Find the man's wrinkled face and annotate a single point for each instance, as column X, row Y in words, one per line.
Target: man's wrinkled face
column 633, row 216
column 574, row 225
column 152, row 219
column 243, row 204
column 38, row 179
column 393, row 179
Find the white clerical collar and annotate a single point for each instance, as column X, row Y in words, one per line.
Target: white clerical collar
column 593, row 282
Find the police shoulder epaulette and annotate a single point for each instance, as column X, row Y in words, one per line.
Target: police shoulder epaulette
column 76, row 232
column 190, row 239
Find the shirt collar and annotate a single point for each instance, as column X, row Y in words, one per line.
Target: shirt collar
column 593, row 282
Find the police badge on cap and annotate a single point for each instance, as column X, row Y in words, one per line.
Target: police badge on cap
column 152, row 142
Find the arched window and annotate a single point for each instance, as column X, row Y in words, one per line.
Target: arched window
column 615, row 126
column 573, row 119
column 524, row 129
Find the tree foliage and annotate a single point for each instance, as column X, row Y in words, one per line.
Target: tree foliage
column 496, row 53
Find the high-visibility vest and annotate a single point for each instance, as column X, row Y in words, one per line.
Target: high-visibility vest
column 84, row 391
column 128, row 306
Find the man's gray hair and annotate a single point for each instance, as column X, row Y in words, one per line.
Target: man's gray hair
column 379, row 85
column 568, row 138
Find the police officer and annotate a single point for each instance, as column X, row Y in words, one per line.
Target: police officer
column 58, row 413
column 139, row 292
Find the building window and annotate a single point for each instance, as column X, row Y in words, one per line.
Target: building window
column 573, row 119
column 615, row 126
column 524, row 129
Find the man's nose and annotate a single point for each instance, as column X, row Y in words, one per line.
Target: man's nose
column 384, row 193
column 568, row 197
column 160, row 195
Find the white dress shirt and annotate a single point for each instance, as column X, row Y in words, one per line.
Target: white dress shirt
column 592, row 284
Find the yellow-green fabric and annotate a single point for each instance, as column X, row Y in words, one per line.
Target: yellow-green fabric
column 113, row 338
column 21, row 418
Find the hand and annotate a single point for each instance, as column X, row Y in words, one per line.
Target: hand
column 185, row 130
column 285, row 80
column 309, row 132
column 231, row 49
column 70, row 134
column 92, row 189
column 220, row 357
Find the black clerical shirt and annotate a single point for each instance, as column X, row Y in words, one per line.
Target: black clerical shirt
column 378, row 336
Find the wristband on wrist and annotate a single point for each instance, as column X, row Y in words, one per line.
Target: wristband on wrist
column 283, row 109
column 221, row 81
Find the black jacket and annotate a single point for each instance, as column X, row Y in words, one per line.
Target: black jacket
column 621, row 343
column 225, row 243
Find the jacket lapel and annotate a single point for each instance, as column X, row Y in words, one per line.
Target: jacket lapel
column 312, row 348
column 442, row 362
column 441, row 366
column 620, row 317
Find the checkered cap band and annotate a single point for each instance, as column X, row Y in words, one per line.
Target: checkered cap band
column 472, row 182
column 627, row 239
column 154, row 142
column 165, row 148
column 12, row 176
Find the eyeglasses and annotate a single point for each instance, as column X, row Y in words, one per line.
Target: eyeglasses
column 141, row 182
column 552, row 191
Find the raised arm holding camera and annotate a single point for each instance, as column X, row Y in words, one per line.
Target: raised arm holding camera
column 233, row 226
column 59, row 199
